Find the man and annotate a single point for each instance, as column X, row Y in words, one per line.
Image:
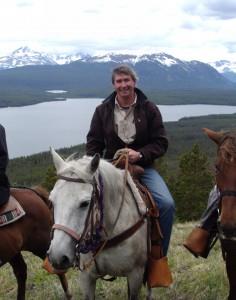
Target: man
column 4, row 184
column 201, row 239
column 127, row 118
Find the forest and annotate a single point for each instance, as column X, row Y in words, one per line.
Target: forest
column 187, row 166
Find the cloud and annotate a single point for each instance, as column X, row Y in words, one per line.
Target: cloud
column 187, row 28
column 212, row 8
column 231, row 46
column 23, row 4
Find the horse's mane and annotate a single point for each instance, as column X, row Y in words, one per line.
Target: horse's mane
column 227, row 148
column 78, row 167
column 43, row 194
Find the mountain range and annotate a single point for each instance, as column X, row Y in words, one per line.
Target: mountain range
column 24, row 56
column 26, row 74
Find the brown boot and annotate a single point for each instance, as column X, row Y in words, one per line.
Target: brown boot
column 198, row 242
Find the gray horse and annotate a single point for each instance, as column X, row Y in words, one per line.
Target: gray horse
column 80, row 182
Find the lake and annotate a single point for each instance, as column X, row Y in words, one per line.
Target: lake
column 32, row 129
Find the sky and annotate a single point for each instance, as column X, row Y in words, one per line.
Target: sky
column 204, row 30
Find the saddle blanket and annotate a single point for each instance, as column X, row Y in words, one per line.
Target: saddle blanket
column 11, row 212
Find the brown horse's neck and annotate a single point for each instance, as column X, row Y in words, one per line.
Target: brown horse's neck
column 39, row 191
column 43, row 194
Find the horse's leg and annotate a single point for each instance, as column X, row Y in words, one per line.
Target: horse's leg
column 20, row 270
column 64, row 284
column 135, row 280
column 87, row 285
column 231, row 272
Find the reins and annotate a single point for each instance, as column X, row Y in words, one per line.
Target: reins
column 97, row 198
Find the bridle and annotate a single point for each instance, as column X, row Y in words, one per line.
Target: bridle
column 93, row 240
column 90, row 238
column 224, row 193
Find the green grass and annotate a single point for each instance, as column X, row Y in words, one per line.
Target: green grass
column 194, row 279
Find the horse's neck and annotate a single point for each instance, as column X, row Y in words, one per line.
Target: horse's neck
column 117, row 195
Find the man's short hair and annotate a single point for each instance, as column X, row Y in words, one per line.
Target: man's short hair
column 123, row 69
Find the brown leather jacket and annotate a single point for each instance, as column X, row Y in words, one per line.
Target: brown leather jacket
column 150, row 139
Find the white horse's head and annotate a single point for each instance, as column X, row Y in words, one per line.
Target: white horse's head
column 71, row 198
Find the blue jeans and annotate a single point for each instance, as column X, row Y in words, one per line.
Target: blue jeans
column 160, row 193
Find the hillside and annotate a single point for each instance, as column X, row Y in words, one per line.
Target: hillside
column 168, row 80
column 182, row 135
column 194, row 279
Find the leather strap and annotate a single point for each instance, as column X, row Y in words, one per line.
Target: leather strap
column 122, row 236
column 67, row 230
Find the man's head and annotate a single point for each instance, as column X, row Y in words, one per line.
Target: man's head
column 124, row 80
column 125, row 70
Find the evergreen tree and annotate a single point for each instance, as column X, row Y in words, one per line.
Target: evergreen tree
column 192, row 185
column 50, row 178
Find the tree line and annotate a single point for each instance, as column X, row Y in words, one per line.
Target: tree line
column 187, row 166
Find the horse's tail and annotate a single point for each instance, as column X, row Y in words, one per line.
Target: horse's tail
column 43, row 194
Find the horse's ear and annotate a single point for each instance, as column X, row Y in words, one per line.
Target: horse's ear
column 213, row 135
column 94, row 163
column 59, row 163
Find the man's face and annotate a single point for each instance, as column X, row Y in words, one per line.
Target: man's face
column 124, row 85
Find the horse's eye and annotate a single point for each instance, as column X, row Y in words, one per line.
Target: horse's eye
column 84, row 204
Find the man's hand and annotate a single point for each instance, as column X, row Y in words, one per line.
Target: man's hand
column 134, row 156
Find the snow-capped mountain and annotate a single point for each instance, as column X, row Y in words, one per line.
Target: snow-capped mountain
column 159, row 70
column 62, row 59
column 226, row 68
column 24, row 56
column 159, row 58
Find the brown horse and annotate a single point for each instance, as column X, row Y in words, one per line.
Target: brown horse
column 226, row 182
column 30, row 233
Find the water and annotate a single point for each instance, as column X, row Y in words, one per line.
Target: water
column 32, row 129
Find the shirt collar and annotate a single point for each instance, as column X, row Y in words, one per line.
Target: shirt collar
column 121, row 107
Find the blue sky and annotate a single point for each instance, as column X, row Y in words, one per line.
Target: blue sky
column 188, row 29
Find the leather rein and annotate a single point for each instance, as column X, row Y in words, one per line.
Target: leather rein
column 100, row 244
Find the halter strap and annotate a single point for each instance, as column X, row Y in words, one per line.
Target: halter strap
column 227, row 193
column 71, row 179
column 67, row 230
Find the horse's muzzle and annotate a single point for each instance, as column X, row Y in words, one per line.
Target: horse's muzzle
column 63, row 264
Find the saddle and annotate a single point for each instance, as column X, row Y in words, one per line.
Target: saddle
column 11, row 212
column 158, row 273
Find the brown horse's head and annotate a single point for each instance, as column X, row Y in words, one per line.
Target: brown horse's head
column 226, row 179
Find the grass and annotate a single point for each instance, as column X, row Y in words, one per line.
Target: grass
column 194, row 279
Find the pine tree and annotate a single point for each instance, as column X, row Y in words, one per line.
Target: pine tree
column 50, row 178
column 192, row 185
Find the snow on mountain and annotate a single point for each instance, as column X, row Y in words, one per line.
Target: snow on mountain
column 62, row 59
column 24, row 56
column 224, row 66
column 161, row 58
